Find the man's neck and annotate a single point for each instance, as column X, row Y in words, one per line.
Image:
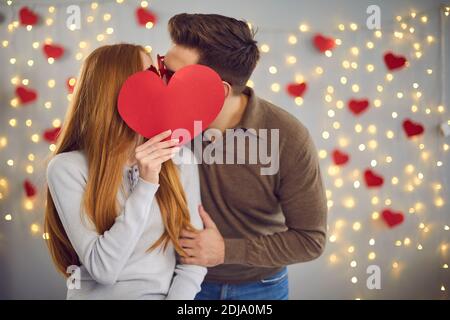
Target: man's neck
column 231, row 113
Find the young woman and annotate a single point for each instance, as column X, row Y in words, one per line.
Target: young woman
column 116, row 205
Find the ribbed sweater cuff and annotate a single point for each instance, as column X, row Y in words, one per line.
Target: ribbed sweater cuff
column 235, row 251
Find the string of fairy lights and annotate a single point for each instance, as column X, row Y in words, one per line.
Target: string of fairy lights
column 83, row 47
column 404, row 29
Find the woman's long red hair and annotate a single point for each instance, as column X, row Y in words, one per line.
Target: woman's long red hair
column 94, row 126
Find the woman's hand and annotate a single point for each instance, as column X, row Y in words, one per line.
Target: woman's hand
column 151, row 154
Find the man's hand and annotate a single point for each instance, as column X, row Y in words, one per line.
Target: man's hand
column 206, row 247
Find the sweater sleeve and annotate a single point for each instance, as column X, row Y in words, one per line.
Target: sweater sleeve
column 103, row 255
column 187, row 279
column 303, row 202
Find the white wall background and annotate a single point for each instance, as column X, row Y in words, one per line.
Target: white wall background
column 25, row 267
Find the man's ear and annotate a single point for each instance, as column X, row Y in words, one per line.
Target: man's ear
column 227, row 89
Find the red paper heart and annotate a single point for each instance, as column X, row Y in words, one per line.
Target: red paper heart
column 144, row 16
column 372, row 179
column 340, row 158
column 53, row 51
column 26, row 95
column 412, row 128
column 71, row 84
column 358, row 106
column 149, row 106
column 30, row 189
column 323, row 43
column 27, row 17
column 297, row 89
column 51, row 135
column 393, row 61
column 392, row 218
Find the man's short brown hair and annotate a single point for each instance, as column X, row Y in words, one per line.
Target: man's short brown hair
column 224, row 44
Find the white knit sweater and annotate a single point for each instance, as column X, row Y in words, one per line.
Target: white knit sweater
column 116, row 264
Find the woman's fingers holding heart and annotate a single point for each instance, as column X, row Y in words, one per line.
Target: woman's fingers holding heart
column 153, row 153
column 165, row 144
column 154, row 140
column 161, row 153
column 157, row 146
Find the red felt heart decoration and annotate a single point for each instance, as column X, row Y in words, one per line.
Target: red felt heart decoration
column 412, row 128
column 149, row 106
column 392, row 218
column 51, row 135
column 144, row 16
column 372, row 179
column 26, row 95
column 393, row 61
column 340, row 158
column 358, row 106
column 297, row 89
column 27, row 17
column 323, row 43
column 53, row 51
column 71, row 84
column 30, row 189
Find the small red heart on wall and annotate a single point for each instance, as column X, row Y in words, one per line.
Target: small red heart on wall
column 340, row 158
column 30, row 189
column 71, row 84
column 25, row 95
column 297, row 89
column 51, row 135
column 53, row 51
column 392, row 218
column 358, row 106
column 323, row 43
column 27, row 17
column 393, row 61
column 372, row 179
column 412, row 128
column 145, row 16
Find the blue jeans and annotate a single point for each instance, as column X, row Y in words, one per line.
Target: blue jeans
column 275, row 287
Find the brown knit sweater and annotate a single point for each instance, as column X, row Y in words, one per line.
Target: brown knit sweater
column 267, row 221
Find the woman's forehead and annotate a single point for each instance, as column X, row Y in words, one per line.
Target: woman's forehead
column 146, row 60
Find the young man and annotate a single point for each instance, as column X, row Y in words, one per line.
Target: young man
column 256, row 222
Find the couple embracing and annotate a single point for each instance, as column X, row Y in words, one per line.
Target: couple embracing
column 140, row 221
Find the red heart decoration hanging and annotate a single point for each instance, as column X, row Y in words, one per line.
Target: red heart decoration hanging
column 144, row 16
column 372, row 179
column 53, row 51
column 412, row 128
column 340, row 158
column 149, row 106
column 71, row 84
column 323, row 43
column 26, row 95
column 393, row 61
column 27, row 17
column 297, row 89
column 392, row 218
column 358, row 106
column 30, row 189
column 51, row 135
